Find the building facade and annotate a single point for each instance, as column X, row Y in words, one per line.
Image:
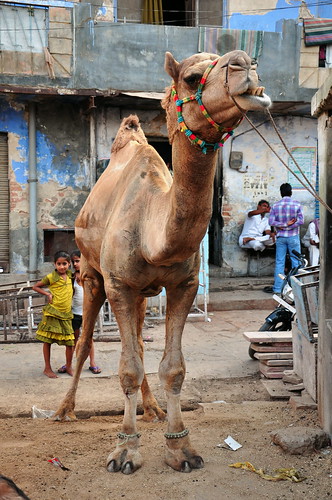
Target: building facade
column 71, row 71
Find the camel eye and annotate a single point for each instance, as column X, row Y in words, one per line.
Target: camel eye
column 192, row 79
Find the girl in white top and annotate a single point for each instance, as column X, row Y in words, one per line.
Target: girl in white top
column 77, row 310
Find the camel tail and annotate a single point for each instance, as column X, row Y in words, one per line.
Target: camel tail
column 130, row 130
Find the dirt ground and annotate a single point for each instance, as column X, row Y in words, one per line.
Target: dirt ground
column 247, row 414
column 222, row 389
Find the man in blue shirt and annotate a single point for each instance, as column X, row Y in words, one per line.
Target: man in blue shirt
column 286, row 216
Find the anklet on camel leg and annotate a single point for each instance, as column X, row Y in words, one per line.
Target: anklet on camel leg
column 126, row 437
column 176, row 435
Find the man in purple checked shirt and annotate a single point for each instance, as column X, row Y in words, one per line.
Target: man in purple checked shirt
column 286, row 216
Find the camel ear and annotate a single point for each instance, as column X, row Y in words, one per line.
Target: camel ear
column 171, row 66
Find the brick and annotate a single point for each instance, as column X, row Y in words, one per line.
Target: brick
column 60, row 14
column 39, row 64
column 308, row 78
column 309, row 60
column 60, row 30
column 8, row 62
column 57, row 46
column 62, row 66
column 23, row 62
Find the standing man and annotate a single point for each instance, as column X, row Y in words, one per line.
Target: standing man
column 286, row 216
column 256, row 232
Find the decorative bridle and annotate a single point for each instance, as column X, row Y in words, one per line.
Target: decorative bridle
column 226, row 131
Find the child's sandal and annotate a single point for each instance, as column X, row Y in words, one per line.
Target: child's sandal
column 95, row 369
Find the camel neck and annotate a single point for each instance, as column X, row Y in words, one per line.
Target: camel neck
column 190, row 198
column 193, row 175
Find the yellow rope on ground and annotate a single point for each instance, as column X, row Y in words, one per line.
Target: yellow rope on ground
column 282, row 474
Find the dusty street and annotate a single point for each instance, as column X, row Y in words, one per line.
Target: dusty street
column 223, row 391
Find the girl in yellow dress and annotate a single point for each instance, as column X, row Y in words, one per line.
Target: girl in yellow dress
column 56, row 324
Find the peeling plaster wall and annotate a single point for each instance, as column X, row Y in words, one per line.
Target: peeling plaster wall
column 62, row 169
column 260, row 178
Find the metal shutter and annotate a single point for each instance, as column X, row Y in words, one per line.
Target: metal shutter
column 4, row 204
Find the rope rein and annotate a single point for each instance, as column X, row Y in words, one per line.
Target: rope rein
column 226, row 131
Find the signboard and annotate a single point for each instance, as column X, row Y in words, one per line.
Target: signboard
column 306, row 159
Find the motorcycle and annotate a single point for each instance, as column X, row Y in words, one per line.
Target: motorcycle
column 282, row 317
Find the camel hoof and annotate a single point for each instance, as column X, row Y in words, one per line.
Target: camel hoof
column 127, row 468
column 69, row 417
column 198, row 462
column 113, row 467
column 185, row 467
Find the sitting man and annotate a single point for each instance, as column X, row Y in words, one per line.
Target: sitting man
column 311, row 241
column 256, row 232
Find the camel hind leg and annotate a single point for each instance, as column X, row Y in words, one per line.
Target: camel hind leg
column 93, row 299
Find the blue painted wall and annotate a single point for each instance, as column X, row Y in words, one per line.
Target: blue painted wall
column 271, row 20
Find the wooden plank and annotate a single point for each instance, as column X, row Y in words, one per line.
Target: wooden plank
column 268, row 337
column 276, row 388
column 273, row 355
column 271, row 348
column 271, row 369
column 278, row 362
column 268, row 374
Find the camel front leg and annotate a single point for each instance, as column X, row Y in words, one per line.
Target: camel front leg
column 93, row 299
column 126, row 307
column 152, row 410
column 180, row 455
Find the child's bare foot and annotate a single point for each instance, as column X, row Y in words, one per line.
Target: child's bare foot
column 69, row 370
column 50, row 373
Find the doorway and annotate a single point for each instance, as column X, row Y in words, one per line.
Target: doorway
column 178, row 12
column 163, row 147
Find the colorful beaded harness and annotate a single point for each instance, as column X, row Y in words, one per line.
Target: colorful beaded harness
column 205, row 146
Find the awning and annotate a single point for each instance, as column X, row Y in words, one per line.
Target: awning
column 317, row 31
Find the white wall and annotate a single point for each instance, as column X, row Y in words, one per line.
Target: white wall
column 261, row 176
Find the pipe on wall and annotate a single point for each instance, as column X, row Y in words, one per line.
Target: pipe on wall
column 32, row 180
column 93, row 149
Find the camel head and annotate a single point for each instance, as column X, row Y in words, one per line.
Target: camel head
column 231, row 77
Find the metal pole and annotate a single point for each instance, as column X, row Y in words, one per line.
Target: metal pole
column 92, row 110
column 196, row 13
column 32, row 180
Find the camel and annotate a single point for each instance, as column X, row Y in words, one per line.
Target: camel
column 140, row 230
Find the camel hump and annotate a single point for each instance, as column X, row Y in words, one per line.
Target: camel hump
column 130, row 130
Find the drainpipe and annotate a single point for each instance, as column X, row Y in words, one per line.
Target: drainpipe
column 196, row 13
column 32, row 180
column 92, row 114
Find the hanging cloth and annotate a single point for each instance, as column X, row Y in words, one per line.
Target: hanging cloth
column 317, row 31
column 222, row 40
column 153, row 12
